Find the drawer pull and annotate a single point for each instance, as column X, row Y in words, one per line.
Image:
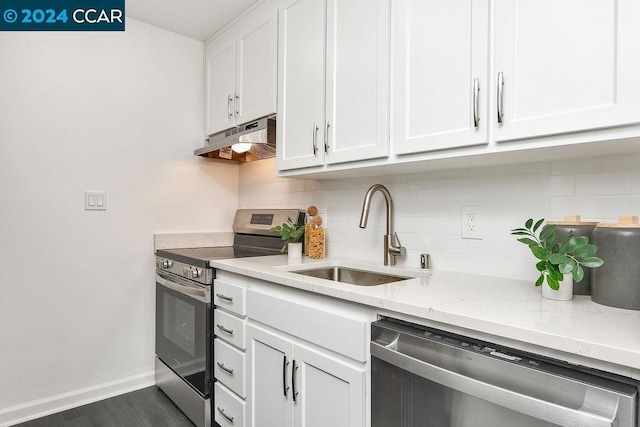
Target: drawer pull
column 285, row 388
column 223, row 329
column 224, row 368
column 224, row 297
column 293, row 381
column 230, row 419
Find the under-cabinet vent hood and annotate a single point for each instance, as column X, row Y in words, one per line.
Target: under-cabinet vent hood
column 252, row 141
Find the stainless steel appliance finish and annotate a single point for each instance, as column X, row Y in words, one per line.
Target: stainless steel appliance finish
column 184, row 311
column 426, row 377
column 261, row 133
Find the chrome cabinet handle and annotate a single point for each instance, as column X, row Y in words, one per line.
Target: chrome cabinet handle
column 230, row 419
column 223, row 329
column 235, row 105
column 315, row 138
column 224, row 297
column 326, row 136
column 285, row 389
column 293, row 380
column 229, row 110
column 500, row 96
column 476, row 98
column 224, row 368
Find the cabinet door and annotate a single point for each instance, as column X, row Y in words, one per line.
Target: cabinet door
column 301, row 84
column 357, row 100
column 441, row 74
column 331, row 393
column 269, row 379
column 566, row 65
column 220, row 60
column 256, row 66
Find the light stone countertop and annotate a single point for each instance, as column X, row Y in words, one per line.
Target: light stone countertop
column 579, row 331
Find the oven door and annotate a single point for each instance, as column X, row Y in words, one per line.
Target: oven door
column 183, row 329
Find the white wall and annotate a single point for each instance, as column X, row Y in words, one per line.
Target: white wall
column 428, row 207
column 119, row 112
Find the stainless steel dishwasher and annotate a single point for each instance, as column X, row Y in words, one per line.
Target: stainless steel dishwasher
column 427, row 377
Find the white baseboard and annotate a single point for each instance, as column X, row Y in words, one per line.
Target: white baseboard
column 51, row 405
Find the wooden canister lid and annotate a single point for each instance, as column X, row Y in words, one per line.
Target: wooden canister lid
column 572, row 220
column 312, row 211
column 623, row 222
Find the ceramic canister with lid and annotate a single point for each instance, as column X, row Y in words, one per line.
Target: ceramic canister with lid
column 617, row 282
column 579, row 228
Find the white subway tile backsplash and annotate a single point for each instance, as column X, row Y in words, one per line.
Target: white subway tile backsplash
column 428, row 208
column 603, row 183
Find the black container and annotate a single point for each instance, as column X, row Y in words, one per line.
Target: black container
column 617, row 282
column 579, row 228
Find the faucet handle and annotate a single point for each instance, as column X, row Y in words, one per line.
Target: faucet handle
column 398, row 250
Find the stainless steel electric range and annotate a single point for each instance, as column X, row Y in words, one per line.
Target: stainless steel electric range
column 184, row 312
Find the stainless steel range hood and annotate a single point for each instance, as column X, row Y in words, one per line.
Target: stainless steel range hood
column 259, row 137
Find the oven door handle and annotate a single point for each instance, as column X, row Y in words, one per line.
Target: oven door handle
column 510, row 399
column 201, row 294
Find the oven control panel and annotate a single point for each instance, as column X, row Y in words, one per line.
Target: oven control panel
column 200, row 275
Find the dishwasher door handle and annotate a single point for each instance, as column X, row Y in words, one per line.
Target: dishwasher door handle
column 499, row 396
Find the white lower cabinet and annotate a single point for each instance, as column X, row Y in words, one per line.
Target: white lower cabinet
column 229, row 409
column 306, row 362
column 294, row 385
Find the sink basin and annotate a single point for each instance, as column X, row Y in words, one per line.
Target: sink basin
column 351, row 275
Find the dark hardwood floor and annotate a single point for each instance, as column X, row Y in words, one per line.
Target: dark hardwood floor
column 147, row 407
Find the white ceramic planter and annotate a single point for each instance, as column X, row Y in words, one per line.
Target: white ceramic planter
column 564, row 293
column 295, row 250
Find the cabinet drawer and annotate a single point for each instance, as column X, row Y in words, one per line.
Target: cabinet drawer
column 229, row 410
column 229, row 328
column 229, row 367
column 344, row 332
column 229, row 297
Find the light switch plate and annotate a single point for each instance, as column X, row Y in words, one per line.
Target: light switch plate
column 95, row 200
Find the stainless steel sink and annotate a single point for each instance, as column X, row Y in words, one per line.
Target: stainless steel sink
column 351, row 275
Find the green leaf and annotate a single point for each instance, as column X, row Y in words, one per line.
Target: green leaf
column 568, row 266
column 592, row 262
column 538, row 252
column 554, row 272
column 528, row 241
column 529, row 223
column 541, row 265
column 558, row 259
column 521, row 233
column 546, row 231
column 551, row 240
column 578, row 274
column 538, row 224
column 586, row 251
column 553, row 283
column 540, row 280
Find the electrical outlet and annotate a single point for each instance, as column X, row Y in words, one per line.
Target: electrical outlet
column 472, row 222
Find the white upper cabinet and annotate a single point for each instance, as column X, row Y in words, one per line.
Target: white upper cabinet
column 333, row 82
column 441, row 87
column 301, row 62
column 241, row 74
column 565, row 66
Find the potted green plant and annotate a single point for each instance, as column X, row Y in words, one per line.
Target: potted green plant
column 291, row 233
column 560, row 261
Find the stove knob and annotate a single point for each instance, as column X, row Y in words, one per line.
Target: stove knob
column 195, row 273
column 167, row 263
